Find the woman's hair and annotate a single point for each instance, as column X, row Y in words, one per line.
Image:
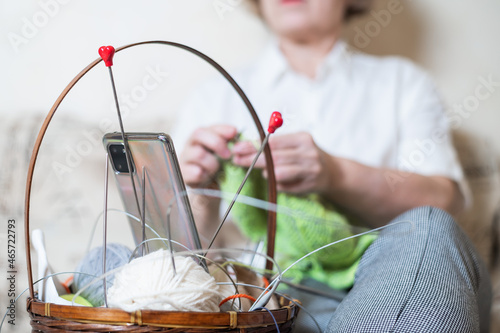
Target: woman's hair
column 353, row 8
column 357, row 7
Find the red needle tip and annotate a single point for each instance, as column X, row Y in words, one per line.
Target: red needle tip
column 107, row 53
column 275, row 122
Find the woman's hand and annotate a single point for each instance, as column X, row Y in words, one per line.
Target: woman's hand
column 199, row 160
column 299, row 164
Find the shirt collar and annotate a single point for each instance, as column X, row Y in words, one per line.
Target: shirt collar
column 275, row 65
column 337, row 59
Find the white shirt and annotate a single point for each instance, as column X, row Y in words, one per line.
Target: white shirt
column 381, row 112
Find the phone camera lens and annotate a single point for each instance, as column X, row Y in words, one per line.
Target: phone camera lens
column 119, row 158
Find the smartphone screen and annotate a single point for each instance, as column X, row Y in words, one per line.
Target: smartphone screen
column 159, row 186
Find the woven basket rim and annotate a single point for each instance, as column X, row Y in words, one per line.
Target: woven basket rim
column 170, row 319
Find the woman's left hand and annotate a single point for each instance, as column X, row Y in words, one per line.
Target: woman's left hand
column 299, row 164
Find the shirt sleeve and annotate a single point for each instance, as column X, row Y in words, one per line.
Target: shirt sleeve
column 426, row 145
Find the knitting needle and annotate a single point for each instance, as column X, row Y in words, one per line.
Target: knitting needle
column 105, row 229
column 107, row 53
column 143, row 216
column 274, row 123
column 169, row 235
column 266, row 295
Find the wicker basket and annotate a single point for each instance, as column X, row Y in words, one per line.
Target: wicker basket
column 48, row 317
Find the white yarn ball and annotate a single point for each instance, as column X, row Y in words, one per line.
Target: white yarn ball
column 149, row 283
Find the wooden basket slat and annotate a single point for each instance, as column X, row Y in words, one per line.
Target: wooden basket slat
column 49, row 324
column 173, row 319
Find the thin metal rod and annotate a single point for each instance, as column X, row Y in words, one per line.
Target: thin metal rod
column 203, row 263
column 266, row 295
column 336, row 295
column 120, row 120
column 143, row 216
column 128, row 154
column 105, row 229
column 169, row 236
column 228, row 210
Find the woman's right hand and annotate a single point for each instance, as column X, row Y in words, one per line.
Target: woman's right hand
column 199, row 160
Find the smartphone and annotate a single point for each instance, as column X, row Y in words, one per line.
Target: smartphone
column 159, row 187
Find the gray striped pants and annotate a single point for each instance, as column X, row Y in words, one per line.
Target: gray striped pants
column 424, row 277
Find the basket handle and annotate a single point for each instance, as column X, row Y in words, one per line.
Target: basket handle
column 271, row 218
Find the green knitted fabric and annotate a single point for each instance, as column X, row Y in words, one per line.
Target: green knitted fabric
column 312, row 224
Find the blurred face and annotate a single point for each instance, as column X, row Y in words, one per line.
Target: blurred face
column 303, row 19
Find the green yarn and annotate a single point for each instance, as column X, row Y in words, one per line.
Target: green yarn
column 312, row 224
